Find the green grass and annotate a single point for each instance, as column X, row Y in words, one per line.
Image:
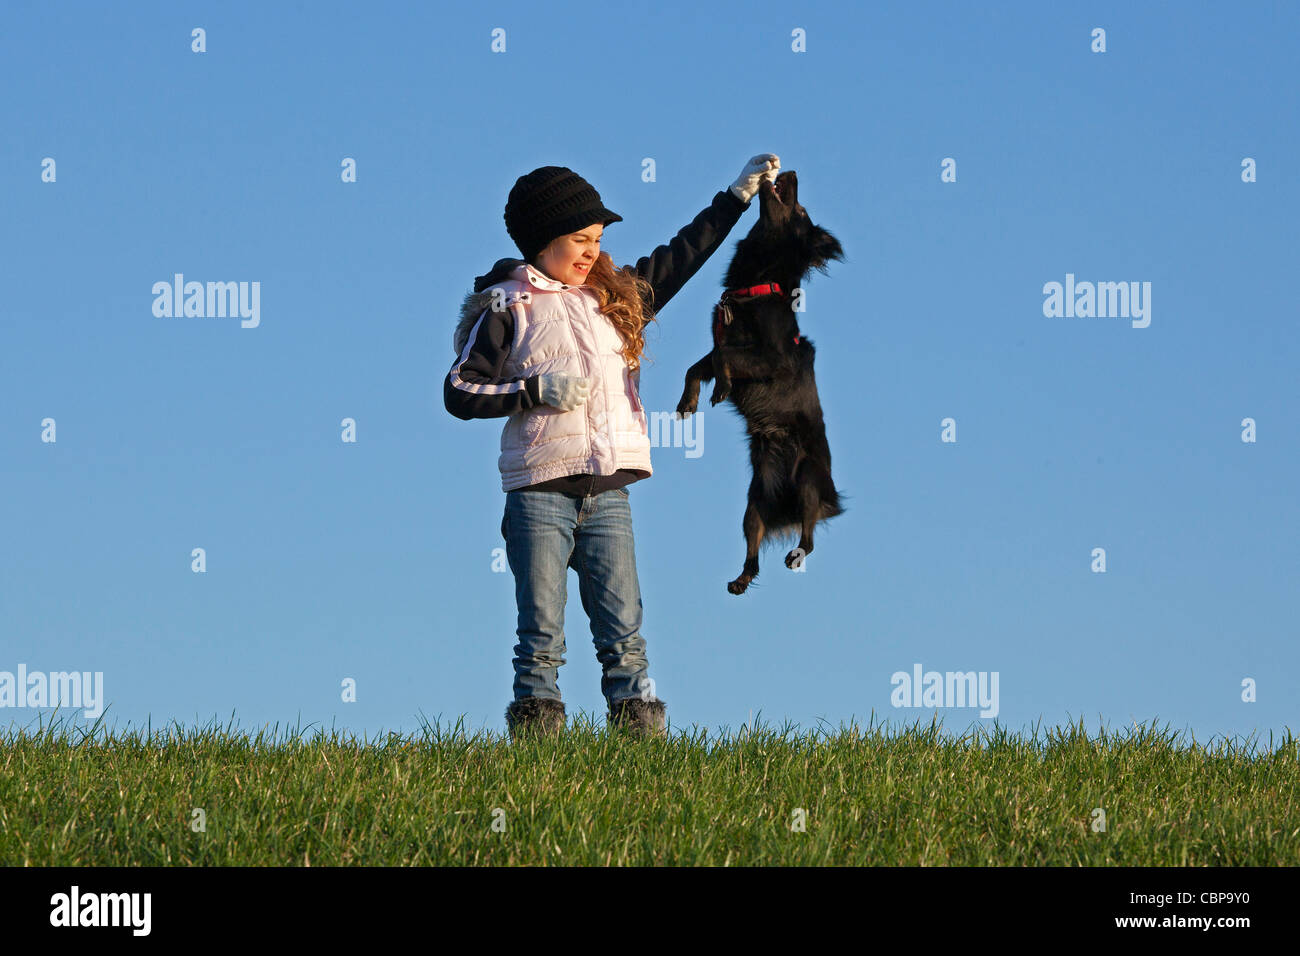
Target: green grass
column 915, row 795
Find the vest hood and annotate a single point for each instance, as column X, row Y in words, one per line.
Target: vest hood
column 478, row 300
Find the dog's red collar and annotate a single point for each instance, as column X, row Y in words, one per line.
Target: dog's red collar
column 767, row 288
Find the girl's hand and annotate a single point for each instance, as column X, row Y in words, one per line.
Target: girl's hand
column 563, row 391
column 763, row 166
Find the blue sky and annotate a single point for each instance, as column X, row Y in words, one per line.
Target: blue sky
column 374, row 560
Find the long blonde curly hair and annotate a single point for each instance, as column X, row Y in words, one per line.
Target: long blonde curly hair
column 627, row 300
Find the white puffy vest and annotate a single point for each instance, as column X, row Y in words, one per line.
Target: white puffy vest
column 558, row 329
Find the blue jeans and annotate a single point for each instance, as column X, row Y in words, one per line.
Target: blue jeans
column 548, row 532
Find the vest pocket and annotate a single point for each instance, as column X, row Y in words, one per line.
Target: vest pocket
column 630, row 387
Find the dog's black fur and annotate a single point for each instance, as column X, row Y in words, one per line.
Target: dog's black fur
column 765, row 367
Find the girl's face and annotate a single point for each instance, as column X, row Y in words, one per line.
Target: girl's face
column 569, row 258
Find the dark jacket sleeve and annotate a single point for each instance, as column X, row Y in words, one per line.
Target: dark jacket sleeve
column 669, row 267
column 475, row 386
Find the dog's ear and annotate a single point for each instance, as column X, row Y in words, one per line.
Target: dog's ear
column 825, row 248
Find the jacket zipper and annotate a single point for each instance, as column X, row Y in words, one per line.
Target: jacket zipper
column 586, row 373
column 591, row 485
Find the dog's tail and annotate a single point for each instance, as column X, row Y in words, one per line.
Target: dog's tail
column 831, row 506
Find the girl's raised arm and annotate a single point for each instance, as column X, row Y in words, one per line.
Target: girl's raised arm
column 669, row 267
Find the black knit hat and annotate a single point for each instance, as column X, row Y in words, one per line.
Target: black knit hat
column 552, row 201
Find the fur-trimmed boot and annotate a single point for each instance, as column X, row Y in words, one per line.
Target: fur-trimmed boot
column 541, row 715
column 642, row 718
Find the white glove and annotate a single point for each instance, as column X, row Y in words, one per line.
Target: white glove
column 563, row 390
column 763, row 166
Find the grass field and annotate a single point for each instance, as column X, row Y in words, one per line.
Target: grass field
column 855, row 796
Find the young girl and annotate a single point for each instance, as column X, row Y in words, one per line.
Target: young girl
column 553, row 341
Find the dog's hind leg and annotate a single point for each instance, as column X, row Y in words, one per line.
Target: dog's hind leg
column 701, row 371
column 810, row 509
column 754, row 531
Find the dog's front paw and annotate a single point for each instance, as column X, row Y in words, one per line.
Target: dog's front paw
column 720, row 392
column 687, row 406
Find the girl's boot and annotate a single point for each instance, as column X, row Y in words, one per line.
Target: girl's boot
column 540, row 715
column 642, row 718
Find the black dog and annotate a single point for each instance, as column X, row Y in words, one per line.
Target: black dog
column 765, row 366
